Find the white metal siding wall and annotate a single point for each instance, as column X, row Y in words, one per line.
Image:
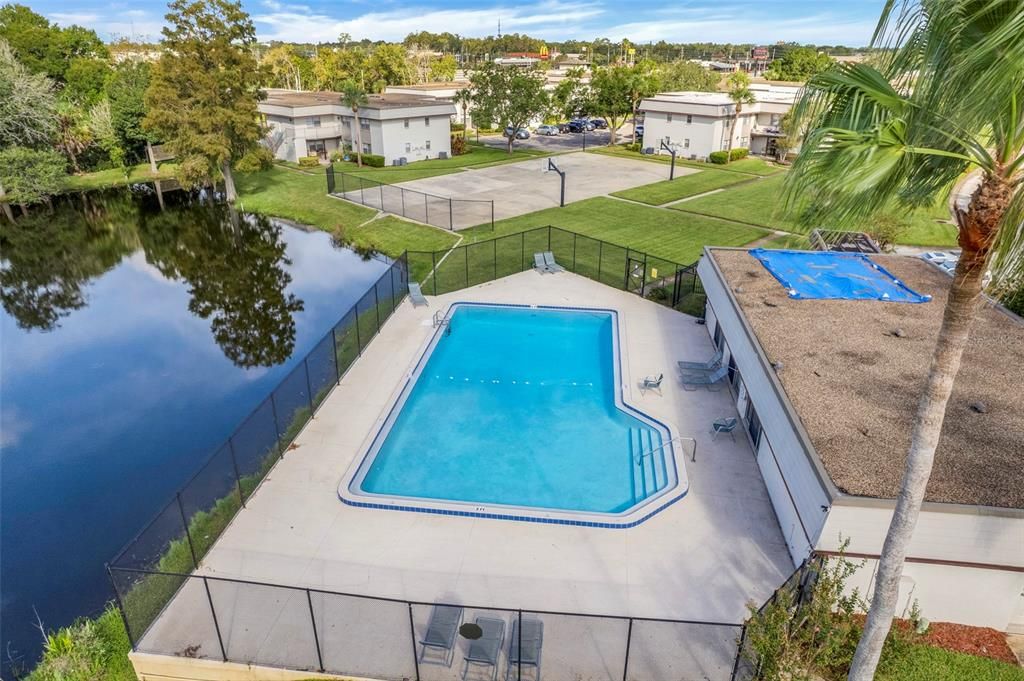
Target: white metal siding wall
column 701, row 133
column 395, row 136
column 804, row 491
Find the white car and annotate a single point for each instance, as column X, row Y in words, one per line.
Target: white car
column 547, row 130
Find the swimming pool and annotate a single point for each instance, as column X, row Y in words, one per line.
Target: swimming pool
column 517, row 412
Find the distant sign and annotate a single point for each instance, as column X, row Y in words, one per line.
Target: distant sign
column 760, row 53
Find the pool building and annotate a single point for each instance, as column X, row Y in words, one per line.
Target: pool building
column 490, row 490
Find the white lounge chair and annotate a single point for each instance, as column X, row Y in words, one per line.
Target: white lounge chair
column 651, row 383
column 694, row 381
column 539, row 264
column 416, row 294
column 549, row 260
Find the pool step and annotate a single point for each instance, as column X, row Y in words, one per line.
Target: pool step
column 647, row 463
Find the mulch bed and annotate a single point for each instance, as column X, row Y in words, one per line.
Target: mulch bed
column 960, row 638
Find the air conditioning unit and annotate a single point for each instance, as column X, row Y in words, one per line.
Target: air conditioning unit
column 442, row 154
column 649, row 150
column 403, row 161
column 396, row 161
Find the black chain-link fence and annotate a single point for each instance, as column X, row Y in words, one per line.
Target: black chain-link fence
column 150, row 567
column 658, row 279
column 440, row 211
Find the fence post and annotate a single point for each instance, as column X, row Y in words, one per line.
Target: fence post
column 391, row 278
column 343, row 185
column 359, row 342
column 376, row 305
column 739, row 652
column 629, row 639
column 643, row 280
column 426, row 210
column 549, row 237
column 277, row 426
column 403, row 201
column 492, row 215
column 381, row 185
column 216, row 625
column 362, row 199
column 316, row 637
column 412, row 639
column 522, row 251
column 465, row 249
column 574, row 235
column 120, row 605
column 494, row 257
column 309, row 386
column 337, row 361
column 519, row 645
column 234, row 465
column 188, row 535
column 600, row 252
column 451, row 216
column 433, row 271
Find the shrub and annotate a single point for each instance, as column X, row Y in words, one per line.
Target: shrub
column 458, row 145
column 373, row 160
column 738, row 153
column 338, row 155
column 309, row 161
column 635, row 146
column 259, row 158
column 458, row 127
column 719, row 157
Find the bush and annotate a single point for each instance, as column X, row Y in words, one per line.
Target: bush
column 719, row 157
column 309, row 161
column 458, row 127
column 338, row 155
column 738, row 153
column 259, row 158
column 458, row 145
column 373, row 160
column 86, row 651
column 635, row 146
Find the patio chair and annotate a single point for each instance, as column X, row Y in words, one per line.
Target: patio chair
column 549, row 260
column 725, row 425
column 651, row 383
column 533, row 641
column 441, row 632
column 416, row 294
column 485, row 650
column 539, row 264
column 694, row 381
column 709, row 365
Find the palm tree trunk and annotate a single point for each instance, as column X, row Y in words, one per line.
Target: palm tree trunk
column 978, row 228
column 732, row 132
column 6, row 207
column 229, row 182
column 359, row 137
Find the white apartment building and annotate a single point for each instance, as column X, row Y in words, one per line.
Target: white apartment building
column 698, row 123
column 437, row 91
column 395, row 126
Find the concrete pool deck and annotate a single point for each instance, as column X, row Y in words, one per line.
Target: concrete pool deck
column 703, row 558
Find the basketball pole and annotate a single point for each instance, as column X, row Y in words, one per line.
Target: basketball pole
column 561, row 174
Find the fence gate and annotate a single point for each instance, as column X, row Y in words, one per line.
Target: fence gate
column 678, row 285
column 636, row 273
column 330, row 179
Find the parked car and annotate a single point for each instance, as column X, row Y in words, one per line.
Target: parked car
column 521, row 133
column 563, row 127
column 548, row 130
column 640, row 130
column 599, row 123
column 580, row 125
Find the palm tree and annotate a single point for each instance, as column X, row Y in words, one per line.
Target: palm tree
column 463, row 98
column 944, row 98
column 354, row 96
column 740, row 94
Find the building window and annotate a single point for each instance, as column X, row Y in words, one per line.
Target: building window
column 753, row 424
column 689, row 118
column 426, row 121
column 363, row 123
column 686, row 144
column 408, row 147
column 428, row 145
column 717, row 338
column 734, row 373
column 315, row 120
column 366, row 147
column 668, row 118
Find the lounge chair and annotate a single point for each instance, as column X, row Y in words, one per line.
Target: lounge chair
column 539, row 264
column 533, row 641
column 549, row 260
column 695, row 380
column 726, row 425
column 416, row 294
column 441, row 632
column 709, row 365
column 652, row 383
column 485, row 650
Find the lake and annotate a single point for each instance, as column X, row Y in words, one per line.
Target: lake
column 132, row 341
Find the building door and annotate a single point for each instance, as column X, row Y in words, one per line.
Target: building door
column 771, row 148
column 316, row 148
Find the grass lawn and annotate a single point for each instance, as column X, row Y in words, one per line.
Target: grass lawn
column 760, row 203
column 303, row 198
column 660, row 193
column 652, row 230
column 791, row 241
column 748, row 166
column 927, row 663
column 115, row 177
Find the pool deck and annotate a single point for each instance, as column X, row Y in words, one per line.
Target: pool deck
column 703, row 558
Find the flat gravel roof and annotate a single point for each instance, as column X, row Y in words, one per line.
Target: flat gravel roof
column 854, row 371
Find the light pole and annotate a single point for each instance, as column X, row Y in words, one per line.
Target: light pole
column 561, row 174
column 671, row 150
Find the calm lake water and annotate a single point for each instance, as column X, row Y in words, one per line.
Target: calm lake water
column 132, row 342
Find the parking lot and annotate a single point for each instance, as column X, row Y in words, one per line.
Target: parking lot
column 566, row 141
column 525, row 187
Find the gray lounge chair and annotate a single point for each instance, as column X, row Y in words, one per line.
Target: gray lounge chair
column 539, row 264
column 533, row 641
column 693, row 381
column 726, row 425
column 549, row 260
column 441, row 632
column 652, row 383
column 709, row 365
column 485, row 650
column 416, row 294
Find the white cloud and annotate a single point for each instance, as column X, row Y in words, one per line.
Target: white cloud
column 68, row 18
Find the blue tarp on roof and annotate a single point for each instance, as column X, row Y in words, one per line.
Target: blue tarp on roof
column 809, row 275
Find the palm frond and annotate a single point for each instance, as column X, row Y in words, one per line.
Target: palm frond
column 1007, row 260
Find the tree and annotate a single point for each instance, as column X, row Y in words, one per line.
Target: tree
column 31, row 175
column 571, row 96
column 739, row 92
column 44, row 47
column 614, row 88
column 443, row 69
column 680, row 76
column 508, row 97
column 204, row 90
column 944, row 98
column 354, row 96
column 85, row 80
column 27, row 104
column 645, row 80
column 283, row 67
column 463, row 98
column 799, row 64
column 331, row 68
column 101, row 126
column 388, row 65
column 789, row 127
column 126, row 92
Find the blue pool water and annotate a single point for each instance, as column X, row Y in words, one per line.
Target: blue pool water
column 517, row 407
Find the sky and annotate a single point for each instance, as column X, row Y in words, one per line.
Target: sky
column 849, row 22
